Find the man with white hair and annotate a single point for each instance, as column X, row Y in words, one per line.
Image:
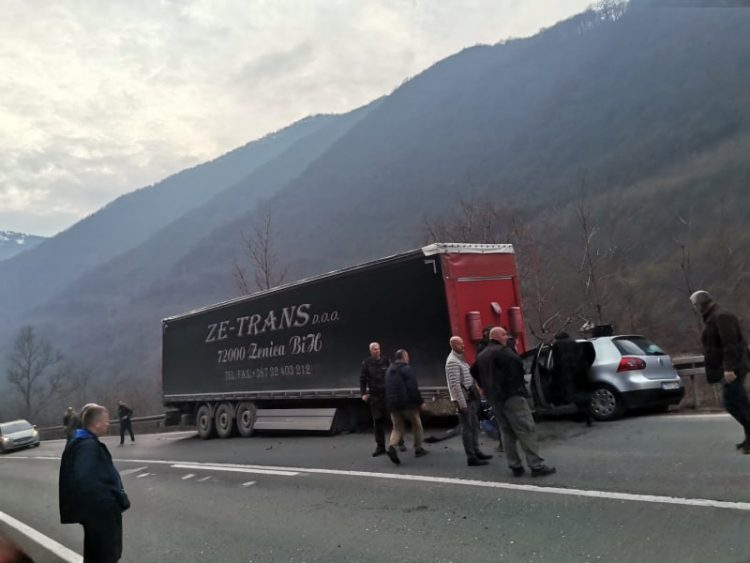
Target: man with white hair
column 726, row 359
column 372, row 390
column 465, row 397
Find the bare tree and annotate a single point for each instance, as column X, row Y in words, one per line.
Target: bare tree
column 259, row 251
column 31, row 372
column 473, row 220
column 546, row 314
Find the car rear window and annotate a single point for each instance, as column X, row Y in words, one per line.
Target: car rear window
column 637, row 346
column 11, row 427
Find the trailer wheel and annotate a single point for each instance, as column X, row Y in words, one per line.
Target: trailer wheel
column 246, row 418
column 224, row 419
column 204, row 421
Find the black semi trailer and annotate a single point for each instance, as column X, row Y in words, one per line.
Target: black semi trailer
column 290, row 356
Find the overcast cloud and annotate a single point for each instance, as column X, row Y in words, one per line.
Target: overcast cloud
column 100, row 98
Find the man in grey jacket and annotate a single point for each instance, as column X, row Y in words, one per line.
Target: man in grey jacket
column 465, row 397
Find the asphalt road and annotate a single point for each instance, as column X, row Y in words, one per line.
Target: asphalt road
column 666, row 488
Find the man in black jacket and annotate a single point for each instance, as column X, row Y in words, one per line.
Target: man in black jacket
column 90, row 489
column 726, row 359
column 125, row 414
column 372, row 390
column 570, row 369
column 501, row 375
column 403, row 400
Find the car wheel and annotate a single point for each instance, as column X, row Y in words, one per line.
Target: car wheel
column 606, row 404
column 205, row 422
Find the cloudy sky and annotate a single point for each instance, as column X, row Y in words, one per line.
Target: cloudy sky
column 101, row 98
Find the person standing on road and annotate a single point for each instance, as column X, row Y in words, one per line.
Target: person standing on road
column 372, row 390
column 501, row 376
column 726, row 359
column 70, row 422
column 403, row 400
column 90, row 489
column 570, row 372
column 125, row 414
column 465, row 397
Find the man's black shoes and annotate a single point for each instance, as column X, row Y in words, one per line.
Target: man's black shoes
column 393, row 455
column 380, row 450
column 518, row 471
column 419, row 452
column 475, row 461
column 481, row 455
column 542, row 471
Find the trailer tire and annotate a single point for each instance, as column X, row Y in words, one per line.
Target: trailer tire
column 204, row 422
column 246, row 413
column 224, row 420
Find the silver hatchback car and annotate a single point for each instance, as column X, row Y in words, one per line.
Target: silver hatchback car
column 628, row 372
column 17, row 434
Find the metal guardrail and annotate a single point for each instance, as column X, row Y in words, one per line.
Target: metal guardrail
column 690, row 367
column 53, row 432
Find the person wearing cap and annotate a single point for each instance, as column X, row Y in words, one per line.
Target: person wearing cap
column 70, row 423
column 726, row 359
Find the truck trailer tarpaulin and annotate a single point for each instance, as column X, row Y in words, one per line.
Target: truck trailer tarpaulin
column 301, row 345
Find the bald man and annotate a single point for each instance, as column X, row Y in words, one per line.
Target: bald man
column 501, row 376
column 465, row 397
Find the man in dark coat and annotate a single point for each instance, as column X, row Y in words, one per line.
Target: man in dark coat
column 372, row 390
column 125, row 414
column 501, row 375
column 570, row 370
column 90, row 488
column 403, row 400
column 726, row 359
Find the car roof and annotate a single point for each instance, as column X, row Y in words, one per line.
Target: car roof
column 14, row 421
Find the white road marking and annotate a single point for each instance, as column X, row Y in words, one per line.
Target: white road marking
column 134, row 470
column 57, row 549
column 142, row 475
column 236, row 469
column 188, row 476
column 715, row 416
column 204, row 479
column 248, row 484
column 609, row 495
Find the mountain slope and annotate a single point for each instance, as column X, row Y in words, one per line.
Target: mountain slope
column 12, row 243
column 646, row 116
column 33, row 277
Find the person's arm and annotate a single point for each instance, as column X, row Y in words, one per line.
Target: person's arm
column 412, row 387
column 453, row 377
column 363, row 376
column 731, row 345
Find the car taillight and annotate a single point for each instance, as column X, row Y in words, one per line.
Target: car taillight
column 631, row 364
